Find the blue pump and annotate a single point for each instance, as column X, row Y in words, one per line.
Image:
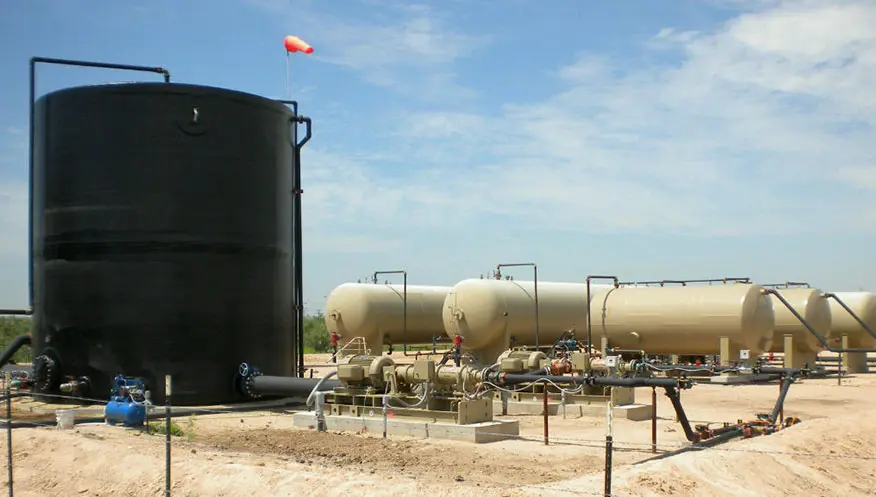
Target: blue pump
column 127, row 405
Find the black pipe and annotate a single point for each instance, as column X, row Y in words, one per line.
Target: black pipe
column 837, row 359
column 293, row 103
column 289, row 385
column 16, row 312
column 672, row 393
column 404, row 273
column 297, row 243
column 535, row 290
column 780, row 402
column 822, row 339
column 32, row 104
column 17, row 343
column 848, row 309
column 589, row 322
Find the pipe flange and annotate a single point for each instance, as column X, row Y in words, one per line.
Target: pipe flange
column 45, row 372
column 249, row 384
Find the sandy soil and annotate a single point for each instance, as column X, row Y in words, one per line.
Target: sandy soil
column 832, row 452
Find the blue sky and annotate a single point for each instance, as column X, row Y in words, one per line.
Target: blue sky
column 649, row 139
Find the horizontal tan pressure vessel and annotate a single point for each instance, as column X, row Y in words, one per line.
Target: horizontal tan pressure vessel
column 814, row 308
column 376, row 313
column 863, row 304
column 684, row 320
column 490, row 315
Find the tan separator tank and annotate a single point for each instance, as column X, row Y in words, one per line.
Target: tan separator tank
column 376, row 313
column 488, row 313
column 863, row 304
column 685, row 320
column 815, row 310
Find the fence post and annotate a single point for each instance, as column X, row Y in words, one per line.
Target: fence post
column 9, row 427
column 167, row 394
column 608, row 444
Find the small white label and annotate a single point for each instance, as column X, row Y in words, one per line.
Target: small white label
column 167, row 385
column 744, row 354
column 611, row 361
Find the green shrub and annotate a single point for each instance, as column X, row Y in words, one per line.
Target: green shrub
column 316, row 335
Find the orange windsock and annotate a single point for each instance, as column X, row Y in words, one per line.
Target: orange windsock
column 296, row 44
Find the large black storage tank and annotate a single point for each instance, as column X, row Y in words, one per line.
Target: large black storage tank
column 162, row 238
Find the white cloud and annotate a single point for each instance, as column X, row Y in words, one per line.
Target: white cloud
column 755, row 120
column 406, row 47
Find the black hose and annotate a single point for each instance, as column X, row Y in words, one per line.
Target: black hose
column 12, row 348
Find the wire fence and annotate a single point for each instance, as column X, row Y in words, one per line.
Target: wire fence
column 648, row 450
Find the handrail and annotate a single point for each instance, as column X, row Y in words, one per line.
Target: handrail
column 821, row 338
column 32, row 137
column 535, row 291
column 589, row 322
column 404, row 273
column 685, row 282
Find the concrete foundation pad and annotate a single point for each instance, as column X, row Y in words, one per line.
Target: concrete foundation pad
column 633, row 412
column 492, row 431
column 737, row 379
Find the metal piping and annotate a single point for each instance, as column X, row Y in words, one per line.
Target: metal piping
column 589, row 321
column 830, row 295
column 685, row 282
column 788, row 284
column 17, row 343
column 672, row 393
column 535, row 291
column 821, row 338
column 290, row 385
column 297, row 243
column 32, row 104
column 606, row 381
column 780, row 402
column 404, row 273
column 16, row 312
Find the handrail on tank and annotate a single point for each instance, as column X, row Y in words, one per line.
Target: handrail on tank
column 589, row 321
column 819, row 336
column 831, row 295
column 787, row 284
column 404, row 273
column 685, row 282
column 32, row 104
column 535, row 285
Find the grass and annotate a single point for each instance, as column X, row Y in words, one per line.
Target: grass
column 159, row 427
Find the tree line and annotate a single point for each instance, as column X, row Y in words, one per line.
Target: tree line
column 316, row 336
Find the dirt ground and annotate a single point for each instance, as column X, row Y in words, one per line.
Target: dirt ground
column 832, row 452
